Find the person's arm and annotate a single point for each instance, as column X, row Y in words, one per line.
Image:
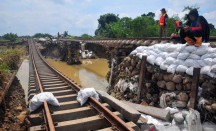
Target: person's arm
column 166, row 17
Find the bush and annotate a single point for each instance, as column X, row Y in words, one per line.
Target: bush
column 213, row 32
column 10, row 36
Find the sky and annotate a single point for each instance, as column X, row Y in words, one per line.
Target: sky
column 27, row 17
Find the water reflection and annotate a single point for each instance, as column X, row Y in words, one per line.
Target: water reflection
column 91, row 73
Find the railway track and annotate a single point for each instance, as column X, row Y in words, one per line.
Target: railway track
column 69, row 116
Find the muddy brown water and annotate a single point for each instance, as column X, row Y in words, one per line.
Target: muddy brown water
column 91, row 73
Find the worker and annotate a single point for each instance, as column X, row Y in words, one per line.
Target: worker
column 163, row 22
column 58, row 34
column 196, row 29
column 176, row 35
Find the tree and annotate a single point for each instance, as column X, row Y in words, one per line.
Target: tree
column 103, row 21
column 86, row 36
column 10, row 36
column 211, row 26
column 151, row 14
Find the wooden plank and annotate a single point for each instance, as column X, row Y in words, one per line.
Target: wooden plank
column 150, row 110
column 194, row 87
column 141, row 78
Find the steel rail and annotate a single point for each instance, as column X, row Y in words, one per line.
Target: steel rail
column 211, row 38
column 48, row 115
column 106, row 113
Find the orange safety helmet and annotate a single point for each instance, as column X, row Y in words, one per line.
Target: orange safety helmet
column 179, row 24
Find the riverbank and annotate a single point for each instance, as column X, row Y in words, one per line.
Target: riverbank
column 14, row 105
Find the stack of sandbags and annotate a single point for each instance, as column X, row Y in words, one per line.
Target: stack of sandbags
column 169, row 69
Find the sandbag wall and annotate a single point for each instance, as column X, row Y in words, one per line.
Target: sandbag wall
column 173, row 89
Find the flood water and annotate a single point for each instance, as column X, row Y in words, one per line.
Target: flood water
column 23, row 76
column 91, row 73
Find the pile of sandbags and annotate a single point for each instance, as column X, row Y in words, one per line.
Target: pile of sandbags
column 169, row 70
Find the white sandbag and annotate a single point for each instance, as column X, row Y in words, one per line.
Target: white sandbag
column 179, row 62
column 207, row 61
column 163, row 47
column 140, row 49
column 157, row 51
column 173, row 55
column 191, row 62
column 163, row 55
column 159, row 60
column 164, row 66
column 171, row 48
column 203, row 49
column 181, row 68
column 169, row 61
column 133, row 52
column 180, row 48
column 194, row 57
column 183, row 55
column 204, row 70
column 213, row 68
column 193, row 121
column 207, row 56
column 189, row 71
column 133, row 87
column 172, row 68
column 151, row 59
column 141, row 54
column 211, row 50
column 191, row 48
column 152, row 53
column 172, row 110
column 211, row 74
column 208, row 126
column 84, row 94
column 213, row 62
column 206, row 44
column 40, row 98
column 201, row 63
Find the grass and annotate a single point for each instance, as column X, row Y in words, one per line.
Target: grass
column 9, row 60
column 3, row 40
column 15, row 42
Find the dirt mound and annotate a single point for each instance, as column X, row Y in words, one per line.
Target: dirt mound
column 12, row 114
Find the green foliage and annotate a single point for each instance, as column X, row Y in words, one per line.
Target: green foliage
column 9, row 60
column 150, row 14
column 86, row 36
column 10, row 36
column 39, row 35
column 103, row 29
column 142, row 26
column 25, row 36
column 71, row 36
column 213, row 32
column 211, row 26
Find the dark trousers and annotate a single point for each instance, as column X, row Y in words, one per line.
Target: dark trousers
column 190, row 34
column 178, row 40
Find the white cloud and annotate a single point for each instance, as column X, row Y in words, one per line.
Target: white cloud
column 211, row 17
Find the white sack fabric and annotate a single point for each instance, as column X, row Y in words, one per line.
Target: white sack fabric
column 84, row 94
column 40, row 98
column 179, row 57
